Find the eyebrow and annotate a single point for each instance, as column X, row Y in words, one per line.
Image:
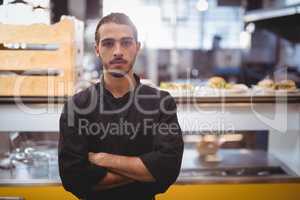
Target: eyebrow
column 127, row 38
column 112, row 39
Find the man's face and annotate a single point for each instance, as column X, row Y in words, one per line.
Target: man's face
column 117, row 47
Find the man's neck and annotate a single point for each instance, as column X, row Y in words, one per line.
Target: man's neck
column 119, row 86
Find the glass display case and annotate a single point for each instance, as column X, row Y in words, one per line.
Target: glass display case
column 240, row 138
column 250, row 145
column 29, row 141
column 29, row 156
column 227, row 139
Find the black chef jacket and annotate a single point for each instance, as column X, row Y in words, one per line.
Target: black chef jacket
column 94, row 120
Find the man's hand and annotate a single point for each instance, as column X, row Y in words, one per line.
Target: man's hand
column 112, row 180
column 99, row 159
column 131, row 167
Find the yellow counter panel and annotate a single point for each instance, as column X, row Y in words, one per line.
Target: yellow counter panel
column 274, row 191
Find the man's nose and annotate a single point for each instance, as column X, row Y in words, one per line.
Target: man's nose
column 118, row 51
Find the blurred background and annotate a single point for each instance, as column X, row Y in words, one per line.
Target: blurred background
column 242, row 41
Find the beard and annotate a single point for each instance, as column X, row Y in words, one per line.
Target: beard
column 119, row 73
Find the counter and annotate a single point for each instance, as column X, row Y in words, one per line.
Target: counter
column 279, row 116
column 180, row 99
column 236, row 166
column 193, row 170
column 192, row 187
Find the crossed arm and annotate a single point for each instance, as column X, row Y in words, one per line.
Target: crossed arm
column 121, row 170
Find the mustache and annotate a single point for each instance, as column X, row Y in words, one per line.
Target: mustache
column 118, row 61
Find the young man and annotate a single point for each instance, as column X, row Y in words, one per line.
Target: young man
column 119, row 139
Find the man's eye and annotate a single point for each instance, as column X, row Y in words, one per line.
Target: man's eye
column 108, row 43
column 127, row 43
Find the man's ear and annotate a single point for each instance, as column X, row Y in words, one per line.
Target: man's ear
column 138, row 46
column 97, row 50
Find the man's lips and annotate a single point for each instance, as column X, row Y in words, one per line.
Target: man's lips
column 118, row 62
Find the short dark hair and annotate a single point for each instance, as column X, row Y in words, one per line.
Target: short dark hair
column 118, row 18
